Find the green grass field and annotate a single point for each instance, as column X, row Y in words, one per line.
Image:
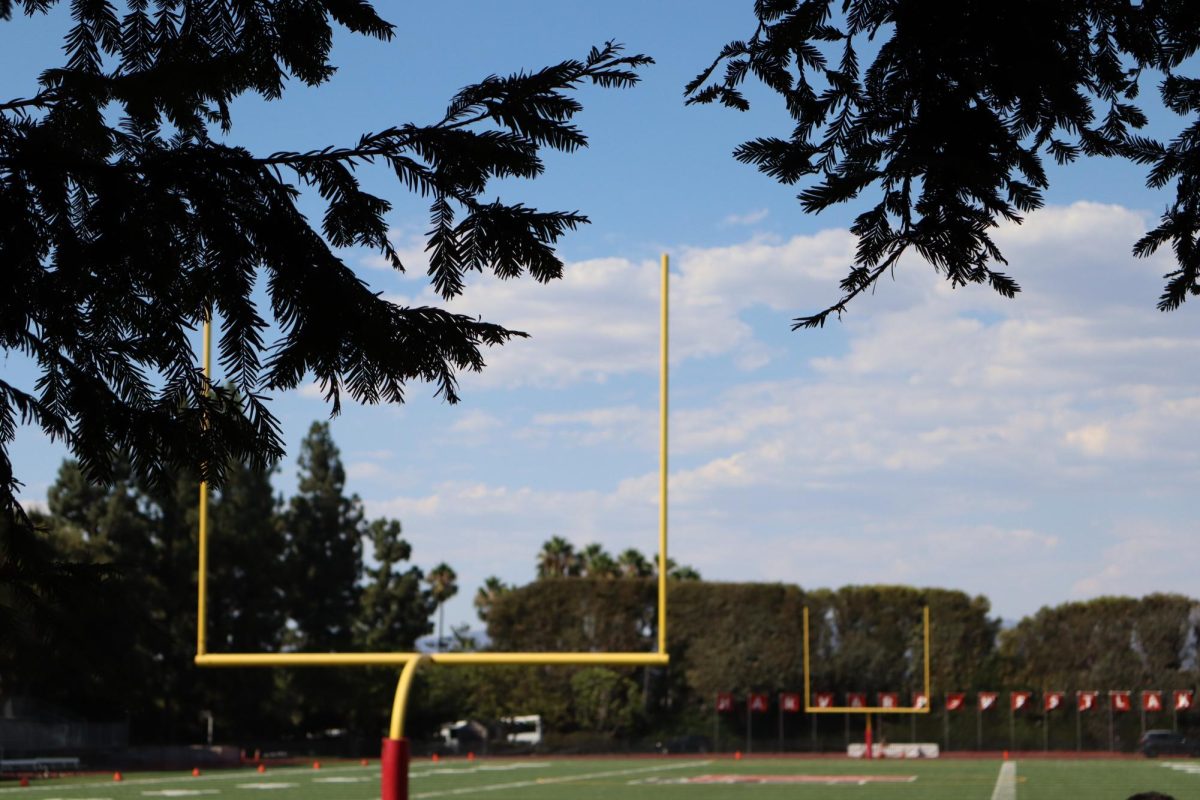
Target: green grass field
column 670, row 778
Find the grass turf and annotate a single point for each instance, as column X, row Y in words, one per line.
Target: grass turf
column 658, row 778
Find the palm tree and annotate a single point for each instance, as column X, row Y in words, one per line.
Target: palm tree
column 442, row 586
column 597, row 563
column 557, row 559
column 633, row 564
column 487, row 594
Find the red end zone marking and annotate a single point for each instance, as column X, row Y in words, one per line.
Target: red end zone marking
column 823, row 779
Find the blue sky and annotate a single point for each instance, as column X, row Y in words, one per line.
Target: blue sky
column 1037, row 450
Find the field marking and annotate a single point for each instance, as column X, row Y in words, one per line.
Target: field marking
column 828, row 779
column 613, row 773
column 236, row 775
column 480, row 768
column 1183, row 766
column 1006, row 782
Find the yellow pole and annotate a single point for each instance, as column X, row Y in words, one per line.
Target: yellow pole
column 400, row 702
column 202, row 568
column 807, row 685
column 928, row 688
column 664, row 336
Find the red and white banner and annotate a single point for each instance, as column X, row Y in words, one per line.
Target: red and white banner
column 856, row 699
column 920, row 700
column 1086, row 701
column 724, row 702
column 987, row 700
column 1052, row 701
column 758, row 703
column 1152, row 700
column 1182, row 699
column 824, row 699
column 1018, row 700
column 1121, row 700
column 789, row 702
column 955, row 701
column 889, row 699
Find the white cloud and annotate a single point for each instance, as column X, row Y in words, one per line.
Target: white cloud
column 941, row 438
column 475, row 421
column 749, row 218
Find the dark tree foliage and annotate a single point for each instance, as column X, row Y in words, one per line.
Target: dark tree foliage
column 127, row 218
column 947, row 127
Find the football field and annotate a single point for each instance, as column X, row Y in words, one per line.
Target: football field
column 672, row 778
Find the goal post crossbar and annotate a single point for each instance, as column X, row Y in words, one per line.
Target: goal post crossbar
column 809, row 708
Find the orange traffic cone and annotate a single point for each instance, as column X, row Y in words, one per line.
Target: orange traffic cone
column 117, row 777
column 364, row 762
column 316, row 765
column 737, row 755
column 262, row 768
column 195, row 772
column 471, row 756
column 436, row 758
column 24, row 780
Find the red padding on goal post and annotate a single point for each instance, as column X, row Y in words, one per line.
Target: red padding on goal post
column 394, row 760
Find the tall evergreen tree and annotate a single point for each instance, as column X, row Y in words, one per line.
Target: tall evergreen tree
column 323, row 533
column 246, row 610
column 395, row 609
column 323, row 530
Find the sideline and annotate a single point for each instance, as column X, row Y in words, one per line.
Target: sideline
column 614, row 773
column 239, row 774
column 1006, row 782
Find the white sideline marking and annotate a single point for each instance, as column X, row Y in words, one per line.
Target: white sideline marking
column 234, row 775
column 180, row 792
column 1006, row 782
column 1183, row 766
column 614, row 773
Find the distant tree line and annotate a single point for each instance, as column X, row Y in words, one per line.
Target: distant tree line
column 98, row 610
column 747, row 637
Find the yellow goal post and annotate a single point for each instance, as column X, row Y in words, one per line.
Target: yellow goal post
column 409, row 660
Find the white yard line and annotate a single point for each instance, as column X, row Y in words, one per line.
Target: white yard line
column 614, row 773
column 1006, row 782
